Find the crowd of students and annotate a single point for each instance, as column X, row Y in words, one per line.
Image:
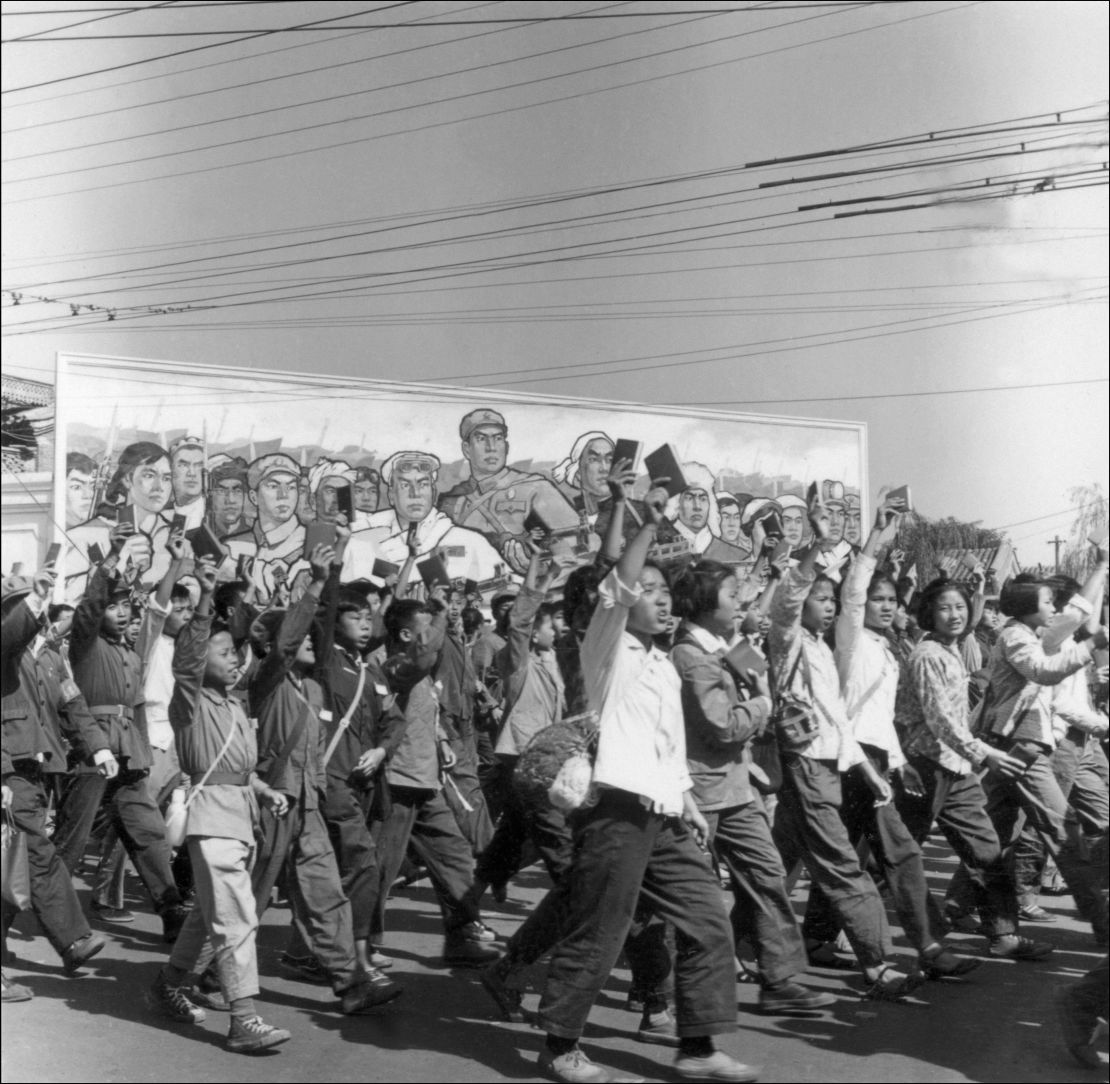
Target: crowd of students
column 644, row 729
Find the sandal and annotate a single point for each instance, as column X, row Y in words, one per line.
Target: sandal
column 890, row 984
column 945, row 964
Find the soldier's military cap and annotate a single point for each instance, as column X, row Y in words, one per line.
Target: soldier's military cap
column 477, row 419
column 267, row 466
column 229, row 470
column 185, row 442
column 424, row 462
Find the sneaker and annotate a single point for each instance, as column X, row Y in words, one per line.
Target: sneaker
column 575, row 1068
column 1034, row 912
column 115, row 915
column 372, row 989
column 477, row 931
column 378, row 959
column 945, row 964
column 462, row 952
column 1012, row 947
column 207, row 993
column 715, row 1066
column 508, row 1000
column 659, row 1029
column 173, row 1003
column 304, row 968
column 13, row 991
column 253, row 1034
column 81, row 951
column 173, row 918
column 792, row 997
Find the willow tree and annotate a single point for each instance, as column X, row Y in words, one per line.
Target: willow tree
column 1091, row 518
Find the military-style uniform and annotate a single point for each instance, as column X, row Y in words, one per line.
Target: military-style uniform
column 108, row 673
column 28, row 748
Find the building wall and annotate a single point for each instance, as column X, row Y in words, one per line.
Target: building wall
column 26, row 529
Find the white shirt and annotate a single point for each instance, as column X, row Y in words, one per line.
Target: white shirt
column 467, row 553
column 867, row 667
column 699, row 541
column 156, row 651
column 815, row 679
column 637, row 694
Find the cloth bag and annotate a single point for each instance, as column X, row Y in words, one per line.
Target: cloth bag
column 16, row 874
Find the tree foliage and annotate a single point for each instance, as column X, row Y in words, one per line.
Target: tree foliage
column 1091, row 518
column 923, row 540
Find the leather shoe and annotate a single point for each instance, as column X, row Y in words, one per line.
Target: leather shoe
column 462, row 952
column 372, row 990
column 81, row 951
column 1012, row 947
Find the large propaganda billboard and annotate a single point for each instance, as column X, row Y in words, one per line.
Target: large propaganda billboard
column 254, row 462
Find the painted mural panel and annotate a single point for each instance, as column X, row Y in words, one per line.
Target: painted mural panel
column 255, row 464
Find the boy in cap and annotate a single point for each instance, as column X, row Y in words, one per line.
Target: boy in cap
column 227, row 496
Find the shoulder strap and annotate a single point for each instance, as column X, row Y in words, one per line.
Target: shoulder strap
column 346, row 720
column 295, row 736
column 212, row 767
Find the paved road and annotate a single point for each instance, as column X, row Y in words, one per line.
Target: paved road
column 998, row 1026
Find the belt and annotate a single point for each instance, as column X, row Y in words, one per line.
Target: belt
column 229, row 779
column 117, row 711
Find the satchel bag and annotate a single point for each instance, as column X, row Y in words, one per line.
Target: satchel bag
column 177, row 813
column 793, row 720
column 16, row 874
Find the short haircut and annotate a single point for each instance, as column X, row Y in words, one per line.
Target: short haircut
column 581, row 584
column 1020, row 596
column 56, row 609
column 228, row 595
column 881, row 578
column 351, row 601
column 180, row 593
column 78, row 461
column 402, row 615
column 472, row 620
column 697, row 588
column 929, row 596
column 1064, row 589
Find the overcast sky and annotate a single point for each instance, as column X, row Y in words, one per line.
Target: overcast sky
column 384, row 167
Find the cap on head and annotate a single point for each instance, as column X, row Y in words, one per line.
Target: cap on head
column 227, row 470
column 483, row 417
column 185, row 442
column 269, row 466
column 424, row 462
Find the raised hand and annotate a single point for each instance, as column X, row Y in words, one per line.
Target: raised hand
column 621, row 480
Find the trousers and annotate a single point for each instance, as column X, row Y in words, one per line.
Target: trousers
column 221, row 930
column 135, row 817
column 626, row 853
column 958, row 806
column 808, row 827
column 424, row 818
column 53, row 899
column 741, row 838
column 1036, row 797
column 299, row 843
column 896, row 855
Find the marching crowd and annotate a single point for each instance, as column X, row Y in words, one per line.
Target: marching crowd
column 646, row 725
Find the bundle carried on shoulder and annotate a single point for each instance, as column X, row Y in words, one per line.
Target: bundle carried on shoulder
column 557, row 765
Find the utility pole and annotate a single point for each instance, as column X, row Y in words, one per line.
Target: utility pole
column 1057, row 542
